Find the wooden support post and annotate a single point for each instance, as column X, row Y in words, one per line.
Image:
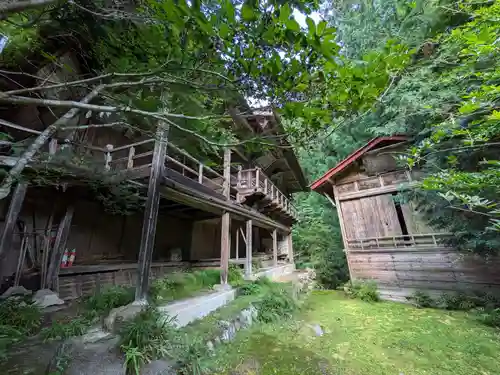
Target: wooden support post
column 275, row 247
column 257, row 179
column 225, row 240
column 238, row 184
column 248, row 260
column 20, row 259
column 342, row 227
column 131, row 154
column 225, row 248
column 200, row 173
column 226, row 187
column 53, row 146
column 108, row 157
column 237, row 244
column 58, row 249
column 290, row 248
column 15, row 206
column 151, row 213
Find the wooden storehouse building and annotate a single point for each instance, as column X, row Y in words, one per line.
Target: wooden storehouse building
column 385, row 239
column 193, row 208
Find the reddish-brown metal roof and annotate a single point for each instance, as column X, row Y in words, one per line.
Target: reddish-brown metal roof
column 353, row 157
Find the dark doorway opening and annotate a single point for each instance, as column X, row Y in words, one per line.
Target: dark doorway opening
column 401, row 219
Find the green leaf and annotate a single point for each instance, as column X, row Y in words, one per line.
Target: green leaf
column 321, row 27
column 301, row 87
column 293, row 25
column 311, row 26
column 224, row 30
column 285, row 12
column 247, row 13
column 229, row 8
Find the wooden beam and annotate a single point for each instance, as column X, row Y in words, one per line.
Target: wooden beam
column 225, row 248
column 15, row 206
column 243, row 235
column 151, row 213
column 248, row 260
column 59, row 247
column 375, row 191
column 275, row 247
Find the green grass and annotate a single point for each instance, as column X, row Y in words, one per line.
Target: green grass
column 363, row 338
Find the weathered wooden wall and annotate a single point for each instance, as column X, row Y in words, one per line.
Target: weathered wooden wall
column 97, row 236
column 72, row 286
column 400, row 272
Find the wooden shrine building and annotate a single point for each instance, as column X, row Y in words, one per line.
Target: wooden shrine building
column 385, row 239
column 207, row 211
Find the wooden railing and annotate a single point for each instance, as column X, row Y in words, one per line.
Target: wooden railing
column 400, row 241
column 255, row 179
column 128, row 157
column 176, row 159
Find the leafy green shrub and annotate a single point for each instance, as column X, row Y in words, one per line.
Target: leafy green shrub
column 365, row 291
column 8, row 336
column 250, row 289
column 184, row 284
column 455, row 301
column 421, row 299
column 189, row 351
column 67, row 328
column 264, row 280
column 490, row 317
column 208, row 278
column 145, row 338
column 20, row 315
column 331, row 268
column 109, row 298
column 277, row 304
column 235, row 276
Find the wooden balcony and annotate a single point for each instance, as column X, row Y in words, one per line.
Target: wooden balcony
column 254, row 187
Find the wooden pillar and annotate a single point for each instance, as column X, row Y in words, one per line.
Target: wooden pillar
column 342, row 227
column 151, row 213
column 225, row 240
column 225, row 247
column 290, row 248
column 275, row 247
column 15, row 206
column 59, row 248
column 248, row 259
column 237, row 252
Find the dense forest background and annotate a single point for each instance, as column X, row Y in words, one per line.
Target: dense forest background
column 446, row 98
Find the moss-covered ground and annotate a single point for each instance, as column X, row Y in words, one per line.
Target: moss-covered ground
column 362, row 338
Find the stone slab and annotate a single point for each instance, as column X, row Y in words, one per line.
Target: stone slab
column 191, row 309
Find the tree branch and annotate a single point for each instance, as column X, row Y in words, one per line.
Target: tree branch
column 42, row 138
column 20, row 6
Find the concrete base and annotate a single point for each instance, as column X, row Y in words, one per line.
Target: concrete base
column 191, row 309
column 275, row 273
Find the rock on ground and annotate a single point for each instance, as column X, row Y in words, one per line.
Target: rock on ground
column 96, row 358
column 45, row 298
column 121, row 314
column 16, row 291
